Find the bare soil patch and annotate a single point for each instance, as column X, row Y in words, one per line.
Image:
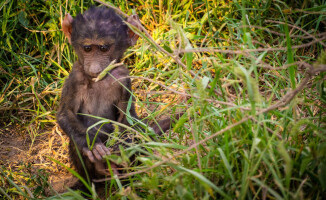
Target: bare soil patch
column 27, row 159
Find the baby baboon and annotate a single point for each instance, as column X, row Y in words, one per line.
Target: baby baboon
column 99, row 36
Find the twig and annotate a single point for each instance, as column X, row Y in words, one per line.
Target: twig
column 268, row 129
column 188, row 95
column 28, row 191
column 310, row 12
column 296, row 27
column 264, row 65
column 282, row 34
column 200, row 50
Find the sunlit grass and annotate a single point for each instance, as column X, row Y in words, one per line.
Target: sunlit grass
column 221, row 62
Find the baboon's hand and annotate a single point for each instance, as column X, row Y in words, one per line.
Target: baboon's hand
column 98, row 152
column 96, row 157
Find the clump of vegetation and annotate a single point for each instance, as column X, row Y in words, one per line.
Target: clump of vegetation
column 247, row 74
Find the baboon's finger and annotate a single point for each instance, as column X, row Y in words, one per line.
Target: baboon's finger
column 101, row 149
column 97, row 154
column 107, row 151
column 89, row 154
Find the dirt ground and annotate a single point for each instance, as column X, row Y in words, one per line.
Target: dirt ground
column 25, row 157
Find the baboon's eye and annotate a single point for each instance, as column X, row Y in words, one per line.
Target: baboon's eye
column 87, row 48
column 104, row 48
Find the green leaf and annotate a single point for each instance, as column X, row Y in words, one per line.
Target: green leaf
column 180, row 122
column 288, row 162
column 205, row 180
column 22, row 18
column 226, row 163
column 304, row 164
column 205, row 81
column 111, row 66
column 114, row 158
column 290, row 56
column 123, row 154
column 129, row 119
column 73, row 172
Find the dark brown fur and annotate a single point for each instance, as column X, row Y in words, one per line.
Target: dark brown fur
column 107, row 98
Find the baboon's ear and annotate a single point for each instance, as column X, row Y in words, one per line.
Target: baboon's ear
column 67, row 26
column 132, row 19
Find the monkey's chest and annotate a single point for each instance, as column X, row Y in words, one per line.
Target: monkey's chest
column 100, row 101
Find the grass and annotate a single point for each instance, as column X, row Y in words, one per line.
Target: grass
column 250, row 76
